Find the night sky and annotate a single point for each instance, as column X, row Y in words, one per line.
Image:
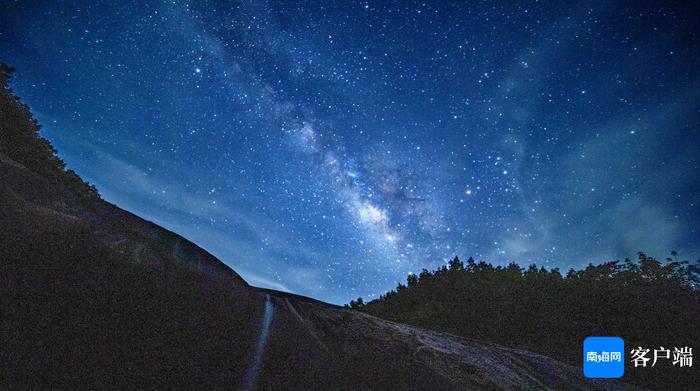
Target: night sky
column 331, row 150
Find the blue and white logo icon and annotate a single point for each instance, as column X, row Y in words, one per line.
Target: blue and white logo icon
column 603, row 357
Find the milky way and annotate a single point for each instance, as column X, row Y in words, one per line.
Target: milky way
column 331, row 149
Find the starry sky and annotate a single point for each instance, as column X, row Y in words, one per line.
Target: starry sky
column 331, row 148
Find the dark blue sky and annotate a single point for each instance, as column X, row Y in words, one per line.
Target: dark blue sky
column 330, row 150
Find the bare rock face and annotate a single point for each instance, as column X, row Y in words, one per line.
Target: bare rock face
column 366, row 352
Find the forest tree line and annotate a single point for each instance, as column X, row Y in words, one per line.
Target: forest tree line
column 21, row 141
column 647, row 303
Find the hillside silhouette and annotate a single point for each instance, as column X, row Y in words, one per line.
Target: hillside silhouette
column 648, row 303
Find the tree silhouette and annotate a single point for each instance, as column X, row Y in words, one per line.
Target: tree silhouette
column 20, row 141
column 357, row 304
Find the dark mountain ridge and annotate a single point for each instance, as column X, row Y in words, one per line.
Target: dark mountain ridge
column 96, row 297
